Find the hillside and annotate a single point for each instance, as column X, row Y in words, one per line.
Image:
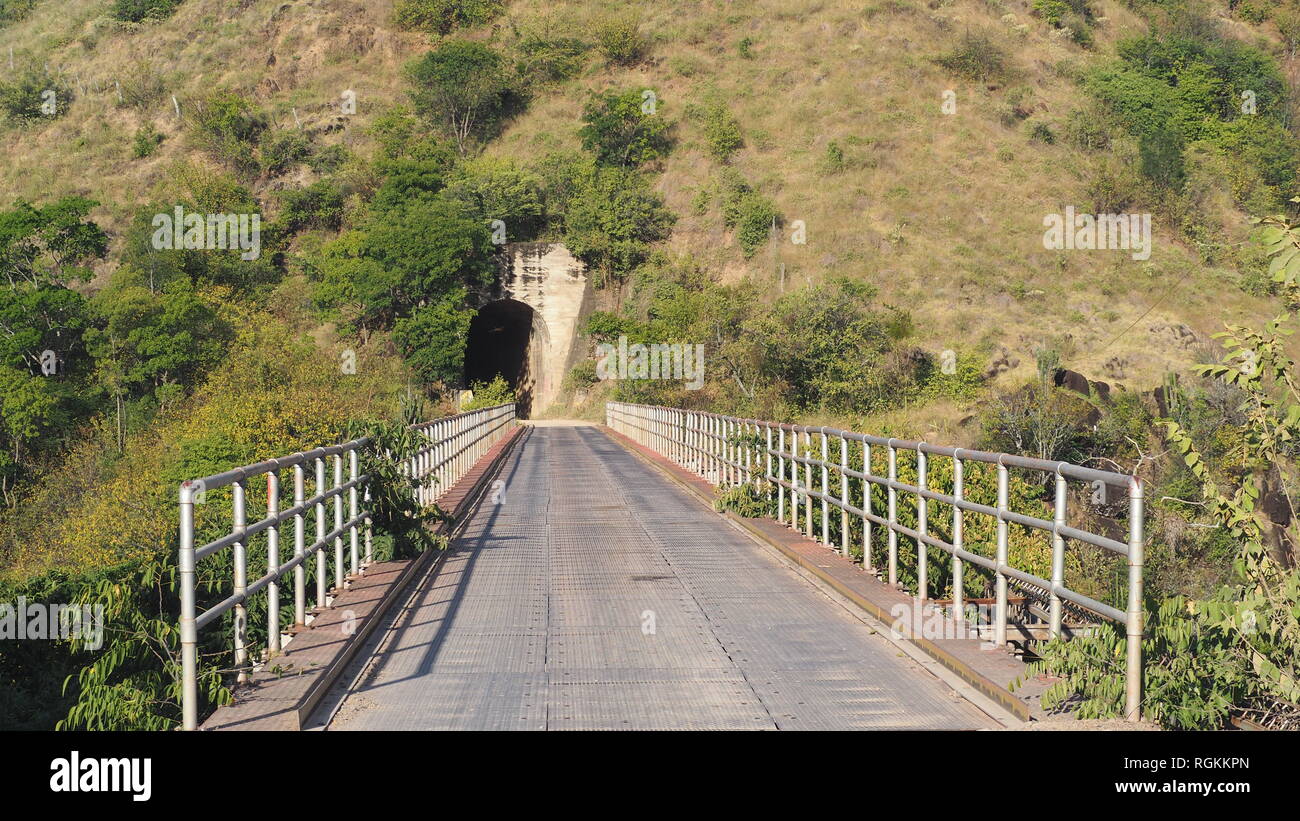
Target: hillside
column 941, row 212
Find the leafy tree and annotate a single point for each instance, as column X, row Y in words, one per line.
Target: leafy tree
column 611, row 218
column 441, row 16
column 462, row 87
column 432, row 338
column 402, row 259
column 136, row 11
column 497, row 189
column 624, row 129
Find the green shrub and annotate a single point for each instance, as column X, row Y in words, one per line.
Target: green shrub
column 550, row 59
column 621, row 130
column 620, row 40
column 441, row 16
column 281, row 150
column 11, row 11
column 27, row 97
column 721, row 131
column 464, row 88
column 490, row 394
column 974, row 57
column 145, row 142
column 228, row 126
column 750, row 213
column 1042, row 132
column 319, row 205
column 747, row 500
column 137, row 11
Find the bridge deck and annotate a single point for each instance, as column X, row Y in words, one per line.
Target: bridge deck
column 598, row 595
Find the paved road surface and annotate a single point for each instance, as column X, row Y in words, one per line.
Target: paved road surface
column 599, row 595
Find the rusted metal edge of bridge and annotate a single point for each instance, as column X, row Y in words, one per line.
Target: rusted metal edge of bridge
column 284, row 693
column 988, row 672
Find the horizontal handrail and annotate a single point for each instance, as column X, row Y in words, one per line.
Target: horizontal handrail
column 451, row 446
column 729, row 450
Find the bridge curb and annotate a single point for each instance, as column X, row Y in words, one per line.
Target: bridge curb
column 986, row 694
column 463, row 495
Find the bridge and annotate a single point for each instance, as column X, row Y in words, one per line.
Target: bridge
column 588, row 583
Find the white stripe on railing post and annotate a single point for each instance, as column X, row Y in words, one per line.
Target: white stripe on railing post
column 1058, row 558
column 958, row 538
column 844, row 497
column 893, row 513
column 1136, row 560
column 1000, row 616
column 189, row 632
column 795, row 501
column 767, row 465
column 321, row 579
column 299, row 548
column 353, row 510
column 922, row 528
column 273, row 564
column 241, row 580
column 867, row 487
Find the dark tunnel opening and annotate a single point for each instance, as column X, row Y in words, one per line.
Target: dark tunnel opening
column 499, row 339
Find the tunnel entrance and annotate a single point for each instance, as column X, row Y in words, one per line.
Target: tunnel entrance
column 506, row 337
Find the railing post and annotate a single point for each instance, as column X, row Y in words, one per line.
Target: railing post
column 922, row 526
column 958, row 568
column 1000, row 616
column 867, row 487
column 1058, row 557
column 353, row 509
column 780, row 471
column 338, row 523
column 299, row 548
column 321, row 580
column 808, row 485
column 844, row 496
column 273, row 564
column 188, row 630
column 893, row 513
column 826, row 491
column 1133, row 683
column 241, row 581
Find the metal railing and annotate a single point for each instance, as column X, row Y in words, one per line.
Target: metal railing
column 455, row 444
column 726, row 450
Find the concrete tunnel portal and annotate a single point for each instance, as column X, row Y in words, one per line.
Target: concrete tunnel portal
column 527, row 326
column 506, row 338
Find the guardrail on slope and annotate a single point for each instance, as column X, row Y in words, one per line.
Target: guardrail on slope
column 711, row 446
column 454, row 444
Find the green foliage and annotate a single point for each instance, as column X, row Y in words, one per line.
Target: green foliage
column 721, row 131
column 751, row 214
column 33, row 95
column 747, row 500
column 432, row 338
column 624, row 128
column 228, row 126
column 974, row 57
column 463, row 88
column 426, row 251
column 1239, row 648
column 137, row 11
column 282, row 149
column 1172, row 89
column 610, row 215
column 145, row 142
column 620, row 40
column 490, row 394
column 11, row 11
column 442, row 16
column 497, row 189
column 546, row 59
column 319, row 205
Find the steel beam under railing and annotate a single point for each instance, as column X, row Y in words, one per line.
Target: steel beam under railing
column 721, row 448
column 452, row 446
